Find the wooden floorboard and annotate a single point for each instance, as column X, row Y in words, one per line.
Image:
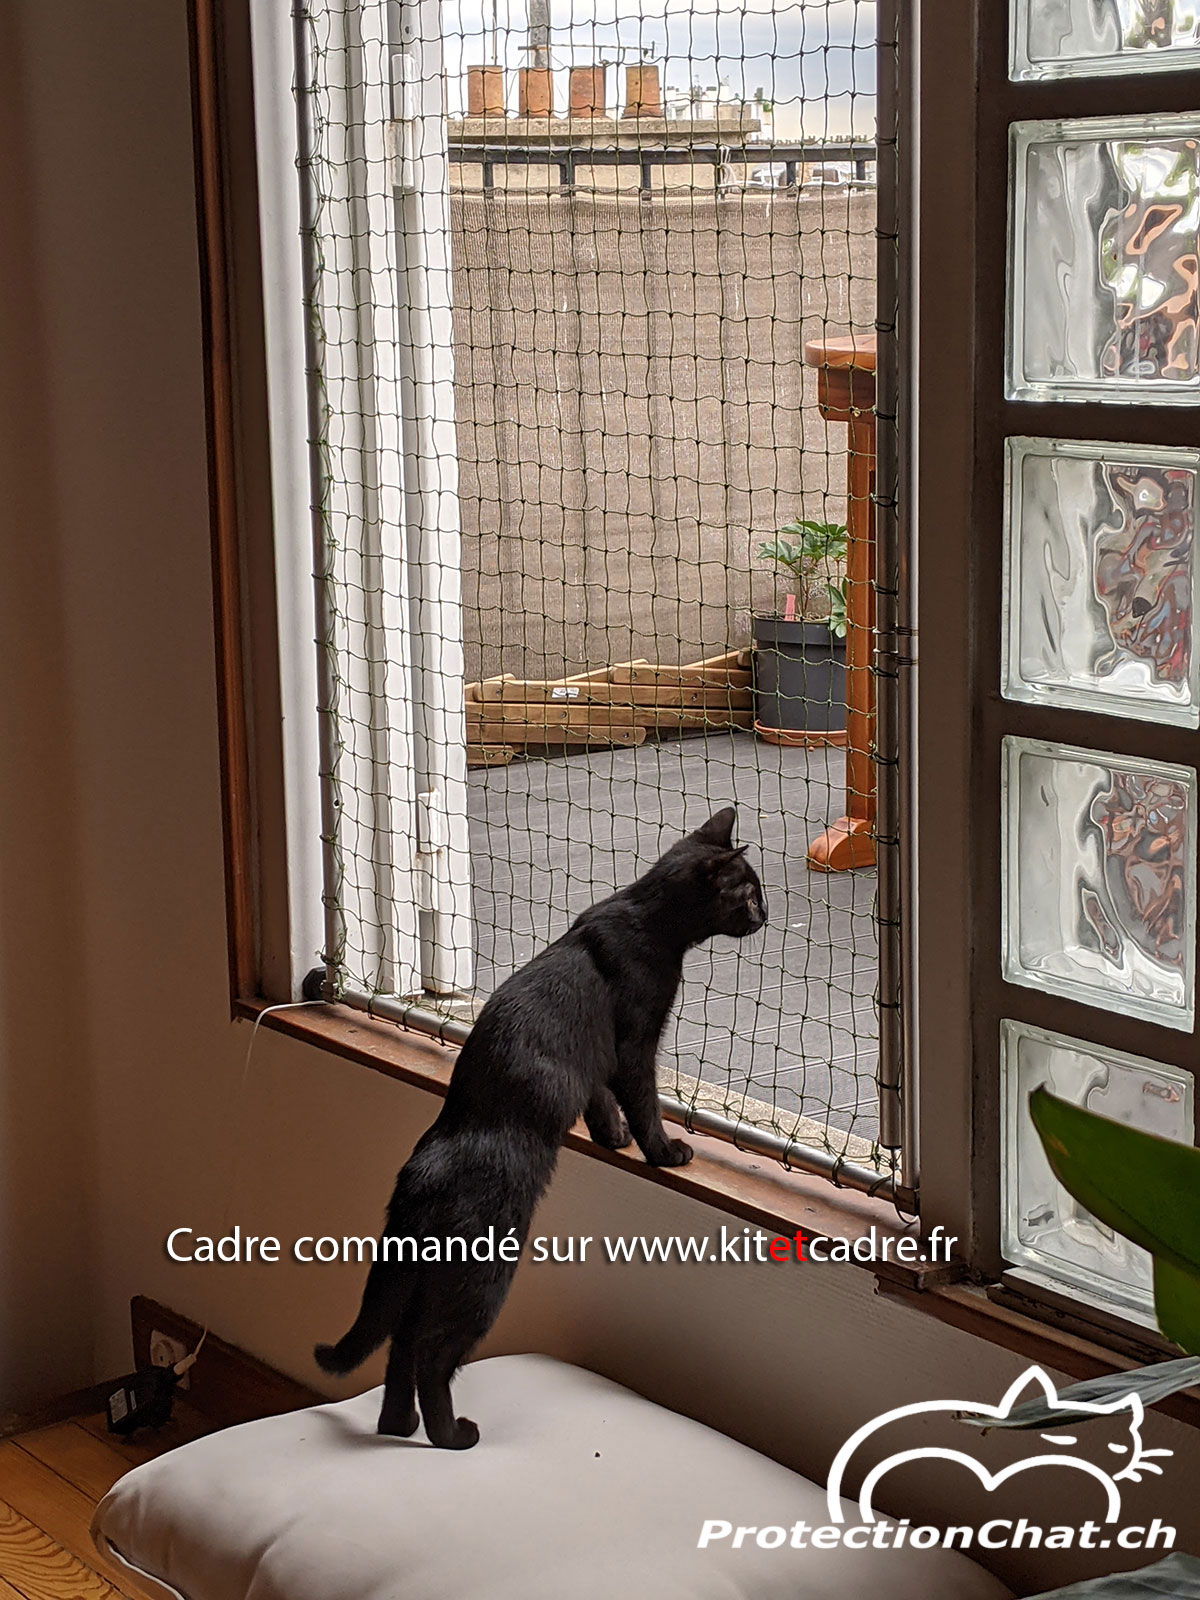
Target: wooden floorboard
column 185, row 1425
column 6, row 1589
column 37, row 1567
column 89, row 1463
column 57, row 1508
column 56, row 1467
column 50, row 1483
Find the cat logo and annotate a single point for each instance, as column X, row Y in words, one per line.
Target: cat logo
column 1034, row 1380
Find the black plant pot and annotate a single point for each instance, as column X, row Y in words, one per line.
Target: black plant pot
column 799, row 676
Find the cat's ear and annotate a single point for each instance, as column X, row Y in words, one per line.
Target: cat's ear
column 717, row 862
column 718, row 830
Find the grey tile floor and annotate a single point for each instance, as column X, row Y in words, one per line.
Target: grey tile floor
column 786, row 1017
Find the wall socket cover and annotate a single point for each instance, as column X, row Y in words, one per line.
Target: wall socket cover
column 165, row 1352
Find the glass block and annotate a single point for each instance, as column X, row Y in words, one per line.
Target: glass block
column 1103, row 250
column 1100, row 579
column 1045, row 1229
column 1099, row 875
column 1102, row 38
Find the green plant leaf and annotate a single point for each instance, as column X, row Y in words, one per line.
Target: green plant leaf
column 1145, row 1187
column 825, row 541
column 807, row 525
column 838, row 620
column 1177, row 1304
column 801, row 549
column 778, row 550
column 1176, row 1576
column 818, row 541
column 1152, row 1383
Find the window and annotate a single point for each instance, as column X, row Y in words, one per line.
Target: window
column 1029, row 912
column 604, row 467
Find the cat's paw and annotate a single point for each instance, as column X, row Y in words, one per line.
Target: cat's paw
column 676, row 1154
column 614, row 1136
column 399, row 1427
column 465, row 1434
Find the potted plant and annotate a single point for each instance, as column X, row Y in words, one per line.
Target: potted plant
column 800, row 654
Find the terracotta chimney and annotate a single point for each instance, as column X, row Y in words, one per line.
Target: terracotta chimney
column 535, row 91
column 485, row 91
column 643, row 94
column 587, row 87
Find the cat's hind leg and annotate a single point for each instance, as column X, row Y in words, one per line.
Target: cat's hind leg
column 435, row 1369
column 605, row 1122
column 398, row 1415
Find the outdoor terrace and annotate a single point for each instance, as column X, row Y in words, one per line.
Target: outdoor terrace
column 781, row 1029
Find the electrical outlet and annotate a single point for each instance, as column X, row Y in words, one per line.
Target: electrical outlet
column 165, row 1352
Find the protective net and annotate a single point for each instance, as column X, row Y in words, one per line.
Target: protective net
column 594, row 300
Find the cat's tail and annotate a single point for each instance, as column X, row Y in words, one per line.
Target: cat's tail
column 384, row 1300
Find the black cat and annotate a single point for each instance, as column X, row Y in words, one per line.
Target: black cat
column 573, row 1033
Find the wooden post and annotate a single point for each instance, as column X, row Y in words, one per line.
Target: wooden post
column 846, row 393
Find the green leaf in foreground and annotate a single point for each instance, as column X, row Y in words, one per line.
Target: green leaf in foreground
column 1152, row 1383
column 1177, row 1303
column 1145, row 1187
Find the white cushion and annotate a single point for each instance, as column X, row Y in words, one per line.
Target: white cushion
column 577, row 1490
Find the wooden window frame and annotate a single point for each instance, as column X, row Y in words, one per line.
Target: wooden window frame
column 954, row 785
column 249, row 696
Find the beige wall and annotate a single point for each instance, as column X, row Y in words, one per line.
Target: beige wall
column 120, row 1114
column 45, row 1225
column 635, row 415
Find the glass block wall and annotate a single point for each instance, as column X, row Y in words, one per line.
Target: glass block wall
column 1100, row 578
column 1045, row 1229
column 1100, row 870
column 1098, row 838
column 1105, row 233
column 1099, row 38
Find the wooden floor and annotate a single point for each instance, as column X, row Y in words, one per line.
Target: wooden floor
column 50, row 1481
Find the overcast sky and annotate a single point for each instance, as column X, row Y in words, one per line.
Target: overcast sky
column 814, row 58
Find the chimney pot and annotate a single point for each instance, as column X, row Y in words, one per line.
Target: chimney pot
column 485, row 91
column 535, row 91
column 643, row 93
column 587, row 88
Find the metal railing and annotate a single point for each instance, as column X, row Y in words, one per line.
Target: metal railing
column 567, row 156
column 792, row 1154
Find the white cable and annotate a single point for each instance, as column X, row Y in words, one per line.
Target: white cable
column 235, row 1159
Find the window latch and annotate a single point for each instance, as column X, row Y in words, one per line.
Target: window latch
column 405, row 84
column 433, row 825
